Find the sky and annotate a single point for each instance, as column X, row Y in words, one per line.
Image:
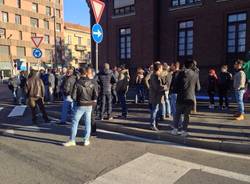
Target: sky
column 76, row 11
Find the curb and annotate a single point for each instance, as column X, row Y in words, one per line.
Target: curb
column 217, row 145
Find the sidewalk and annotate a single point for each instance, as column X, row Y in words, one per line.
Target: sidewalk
column 211, row 130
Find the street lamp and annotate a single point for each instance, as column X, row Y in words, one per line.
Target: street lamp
column 12, row 68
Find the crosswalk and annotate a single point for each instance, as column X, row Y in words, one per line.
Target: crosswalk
column 151, row 168
column 18, row 110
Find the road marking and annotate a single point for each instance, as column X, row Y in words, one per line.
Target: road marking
column 9, row 132
column 151, row 168
column 17, row 111
column 171, row 144
column 1, row 108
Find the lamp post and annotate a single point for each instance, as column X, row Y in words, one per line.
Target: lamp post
column 11, row 62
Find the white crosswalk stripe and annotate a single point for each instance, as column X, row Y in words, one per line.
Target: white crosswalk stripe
column 1, row 108
column 17, row 111
column 151, row 168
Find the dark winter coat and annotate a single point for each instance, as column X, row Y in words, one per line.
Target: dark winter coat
column 106, row 79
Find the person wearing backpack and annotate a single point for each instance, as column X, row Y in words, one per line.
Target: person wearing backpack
column 85, row 95
column 239, row 85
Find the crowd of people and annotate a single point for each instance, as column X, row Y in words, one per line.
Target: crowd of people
column 87, row 95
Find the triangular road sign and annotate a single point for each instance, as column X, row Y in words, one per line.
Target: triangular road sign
column 97, row 7
column 37, row 40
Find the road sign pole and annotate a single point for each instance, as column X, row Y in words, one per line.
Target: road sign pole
column 96, row 58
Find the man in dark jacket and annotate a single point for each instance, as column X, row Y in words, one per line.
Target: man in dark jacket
column 35, row 92
column 224, row 86
column 67, row 89
column 23, row 79
column 188, row 83
column 106, row 79
column 85, row 96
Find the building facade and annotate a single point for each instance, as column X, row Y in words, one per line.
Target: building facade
column 22, row 19
column 139, row 32
column 77, row 41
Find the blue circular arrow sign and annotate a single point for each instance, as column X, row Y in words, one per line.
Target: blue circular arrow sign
column 97, row 33
column 37, row 53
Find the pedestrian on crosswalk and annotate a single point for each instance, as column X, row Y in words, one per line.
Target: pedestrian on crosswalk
column 35, row 92
column 85, row 95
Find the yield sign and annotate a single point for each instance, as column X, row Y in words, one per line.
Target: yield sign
column 98, row 7
column 37, row 41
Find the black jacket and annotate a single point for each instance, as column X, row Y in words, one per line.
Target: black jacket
column 212, row 84
column 174, row 82
column 68, row 85
column 187, row 83
column 225, row 81
column 85, row 92
column 106, row 79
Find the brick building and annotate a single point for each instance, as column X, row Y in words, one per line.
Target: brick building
column 139, row 32
column 22, row 19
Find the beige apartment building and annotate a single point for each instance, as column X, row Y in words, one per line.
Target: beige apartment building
column 22, row 19
column 77, row 40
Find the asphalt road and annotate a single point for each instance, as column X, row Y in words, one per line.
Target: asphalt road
column 34, row 155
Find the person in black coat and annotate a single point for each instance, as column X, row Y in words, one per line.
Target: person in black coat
column 212, row 86
column 188, row 83
column 224, row 86
column 106, row 80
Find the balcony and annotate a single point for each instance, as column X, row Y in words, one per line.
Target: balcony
column 80, row 48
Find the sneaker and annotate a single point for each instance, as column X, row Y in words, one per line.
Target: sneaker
column 69, row 144
column 86, row 143
column 154, row 128
column 184, row 133
column 240, row 118
column 174, row 131
column 110, row 118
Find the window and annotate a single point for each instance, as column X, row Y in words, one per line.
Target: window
column 35, row 7
column 123, row 7
column 185, row 38
column 46, row 39
column 1, row 2
column 33, row 34
column 69, row 39
column 58, row 13
column 2, row 33
column 34, row 22
column 48, row 11
column 79, row 41
column 20, row 35
column 18, row 19
column 46, row 24
column 4, row 50
column 58, row 27
column 18, row 3
column 125, row 43
column 184, row 2
column 236, row 33
column 89, row 42
column 58, row 2
column 5, row 17
column 20, row 51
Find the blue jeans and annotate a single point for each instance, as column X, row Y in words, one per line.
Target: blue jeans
column 85, row 113
column 173, row 98
column 239, row 94
column 122, row 100
column 168, row 107
column 153, row 114
column 66, row 108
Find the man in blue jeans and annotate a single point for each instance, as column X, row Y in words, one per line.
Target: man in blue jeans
column 67, row 88
column 239, row 87
column 85, row 95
